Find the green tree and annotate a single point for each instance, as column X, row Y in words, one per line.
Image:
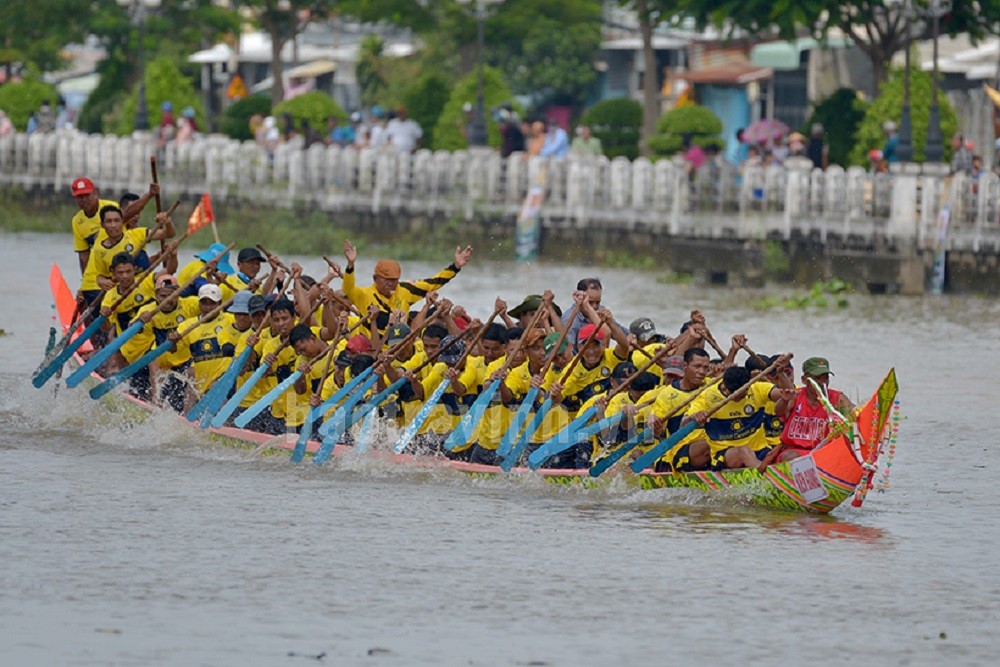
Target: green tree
column 425, row 100
column 448, row 133
column 164, row 83
column 696, row 120
column 877, row 27
column 19, row 100
column 840, row 114
column 314, row 107
column 29, row 35
column 887, row 107
column 236, row 118
column 368, row 71
column 617, row 123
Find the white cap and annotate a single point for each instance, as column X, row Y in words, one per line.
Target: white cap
column 210, row 292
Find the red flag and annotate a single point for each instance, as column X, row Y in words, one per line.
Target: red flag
column 202, row 215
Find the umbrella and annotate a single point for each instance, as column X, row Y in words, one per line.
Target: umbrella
column 764, row 131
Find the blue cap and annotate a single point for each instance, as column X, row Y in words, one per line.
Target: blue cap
column 214, row 251
column 241, row 302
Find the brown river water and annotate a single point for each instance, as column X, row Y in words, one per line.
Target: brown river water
column 145, row 544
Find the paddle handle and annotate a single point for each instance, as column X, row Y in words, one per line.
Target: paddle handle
column 56, row 364
column 152, row 169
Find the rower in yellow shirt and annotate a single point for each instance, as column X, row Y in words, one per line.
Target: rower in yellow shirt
column 123, row 268
column 210, row 340
column 451, row 366
column 684, row 377
column 222, row 268
column 116, row 239
column 735, row 433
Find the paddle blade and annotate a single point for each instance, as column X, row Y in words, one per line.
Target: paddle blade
column 509, row 461
column 305, row 433
column 211, row 399
column 562, row 441
column 413, row 427
column 616, row 455
column 472, row 418
column 130, row 370
column 43, row 375
column 102, row 355
column 266, row 400
column 330, row 439
column 367, row 435
column 219, row 420
column 661, row 448
column 516, row 423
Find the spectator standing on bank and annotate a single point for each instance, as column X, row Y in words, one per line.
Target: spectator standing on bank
column 961, row 157
column 891, row 142
column 511, row 135
column 403, row 132
column 46, row 118
column 556, row 142
column 817, row 150
column 586, row 143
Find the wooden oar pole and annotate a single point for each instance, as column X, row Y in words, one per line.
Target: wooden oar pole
column 152, row 169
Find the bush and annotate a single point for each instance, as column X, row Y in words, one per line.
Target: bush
column 424, row 101
column 618, row 124
column 840, row 114
column 19, row 100
column 164, row 83
column 448, row 132
column 314, row 107
column 696, row 120
column 235, row 121
column 887, row 107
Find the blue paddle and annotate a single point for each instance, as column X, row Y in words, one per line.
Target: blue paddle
column 217, row 393
column 154, row 354
column 601, row 466
column 410, row 432
column 510, row 438
column 359, row 386
column 658, row 450
column 219, row 420
column 472, row 418
column 337, row 426
column 102, row 355
column 43, row 375
column 51, row 350
column 561, row 441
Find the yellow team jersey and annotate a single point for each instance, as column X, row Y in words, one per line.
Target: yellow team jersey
column 208, row 343
column 496, row 419
column 259, row 389
column 99, row 264
column 446, row 414
column 284, row 365
column 296, row 411
column 154, row 333
column 738, row 422
column 583, row 383
column 123, row 314
column 640, row 359
column 189, row 271
column 86, row 232
column 668, row 399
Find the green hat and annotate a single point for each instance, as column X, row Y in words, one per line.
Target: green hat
column 531, row 303
column 816, row 366
column 550, row 341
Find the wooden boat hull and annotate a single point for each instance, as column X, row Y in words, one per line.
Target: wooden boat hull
column 819, row 482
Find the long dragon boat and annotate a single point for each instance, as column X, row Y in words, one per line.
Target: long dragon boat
column 842, row 468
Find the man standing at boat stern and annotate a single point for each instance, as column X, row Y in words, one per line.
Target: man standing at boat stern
column 809, row 422
column 387, row 291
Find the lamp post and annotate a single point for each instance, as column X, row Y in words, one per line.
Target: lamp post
column 935, row 141
column 904, row 150
column 477, row 134
column 139, row 10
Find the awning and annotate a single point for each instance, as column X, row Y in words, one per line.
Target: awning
column 738, row 73
column 220, row 53
column 787, row 55
column 312, row 70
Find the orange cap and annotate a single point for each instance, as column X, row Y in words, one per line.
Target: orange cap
column 388, row 269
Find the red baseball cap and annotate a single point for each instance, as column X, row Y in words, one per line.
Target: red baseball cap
column 588, row 329
column 82, row 186
column 359, row 344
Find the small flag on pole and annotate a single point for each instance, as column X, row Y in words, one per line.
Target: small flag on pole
column 202, row 215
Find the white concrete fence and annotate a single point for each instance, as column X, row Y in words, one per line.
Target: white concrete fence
column 758, row 202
